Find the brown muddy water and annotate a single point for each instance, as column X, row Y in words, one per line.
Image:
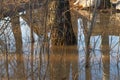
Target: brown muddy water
column 42, row 61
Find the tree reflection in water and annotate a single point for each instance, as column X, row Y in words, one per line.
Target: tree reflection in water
column 47, row 62
column 58, row 65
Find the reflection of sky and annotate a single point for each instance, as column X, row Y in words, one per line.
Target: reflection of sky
column 95, row 43
column 114, row 42
column 81, row 49
column 25, row 30
column 8, row 34
column 26, row 36
column 81, row 37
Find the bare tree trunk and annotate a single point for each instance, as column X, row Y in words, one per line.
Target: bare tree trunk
column 88, row 36
column 31, row 36
column 59, row 21
column 18, row 39
column 106, row 57
column 17, row 33
column 105, row 46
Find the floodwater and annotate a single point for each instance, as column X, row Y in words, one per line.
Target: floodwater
column 42, row 61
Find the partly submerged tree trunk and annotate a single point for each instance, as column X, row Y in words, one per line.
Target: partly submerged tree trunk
column 59, row 20
column 17, row 33
column 18, row 40
column 104, row 21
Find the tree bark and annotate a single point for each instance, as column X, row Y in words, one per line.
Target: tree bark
column 18, row 40
column 104, row 20
column 105, row 4
column 17, row 33
column 59, row 21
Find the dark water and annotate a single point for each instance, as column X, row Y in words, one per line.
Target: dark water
column 42, row 61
